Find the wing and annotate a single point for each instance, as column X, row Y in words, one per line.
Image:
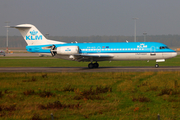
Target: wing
column 92, row 57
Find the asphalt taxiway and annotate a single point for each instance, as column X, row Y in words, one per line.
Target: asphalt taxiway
column 85, row 69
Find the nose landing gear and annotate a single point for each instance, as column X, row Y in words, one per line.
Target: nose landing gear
column 156, row 66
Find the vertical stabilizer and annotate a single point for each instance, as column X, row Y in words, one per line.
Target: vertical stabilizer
column 33, row 36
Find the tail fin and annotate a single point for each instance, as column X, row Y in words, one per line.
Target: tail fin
column 33, row 36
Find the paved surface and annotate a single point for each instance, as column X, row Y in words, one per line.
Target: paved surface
column 84, row 69
column 24, row 54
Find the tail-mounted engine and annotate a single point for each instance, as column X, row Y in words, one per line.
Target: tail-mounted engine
column 64, row 50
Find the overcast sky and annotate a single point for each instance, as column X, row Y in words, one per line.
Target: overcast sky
column 92, row 17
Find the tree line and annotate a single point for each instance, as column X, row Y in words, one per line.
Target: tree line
column 169, row 40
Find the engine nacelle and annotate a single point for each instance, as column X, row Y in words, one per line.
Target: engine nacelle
column 68, row 50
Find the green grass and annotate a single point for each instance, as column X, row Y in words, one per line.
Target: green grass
column 104, row 96
column 134, row 95
column 54, row 62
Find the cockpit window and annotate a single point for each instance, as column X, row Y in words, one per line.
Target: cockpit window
column 163, row 47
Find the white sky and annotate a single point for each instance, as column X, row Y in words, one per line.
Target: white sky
column 92, row 17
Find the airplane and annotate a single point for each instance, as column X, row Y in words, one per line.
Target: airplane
column 2, row 53
column 94, row 52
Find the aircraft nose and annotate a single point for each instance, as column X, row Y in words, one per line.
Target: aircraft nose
column 174, row 54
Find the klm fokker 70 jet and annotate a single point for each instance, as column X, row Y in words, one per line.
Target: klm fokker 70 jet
column 94, row 52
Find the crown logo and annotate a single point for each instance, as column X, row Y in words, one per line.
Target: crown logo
column 33, row 32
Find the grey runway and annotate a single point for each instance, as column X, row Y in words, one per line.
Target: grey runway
column 85, row 69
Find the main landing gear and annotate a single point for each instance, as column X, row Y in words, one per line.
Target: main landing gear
column 93, row 65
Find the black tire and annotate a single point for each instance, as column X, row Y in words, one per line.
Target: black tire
column 156, row 66
column 96, row 65
column 90, row 65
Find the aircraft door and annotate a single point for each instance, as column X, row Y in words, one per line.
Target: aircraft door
column 153, row 51
column 98, row 49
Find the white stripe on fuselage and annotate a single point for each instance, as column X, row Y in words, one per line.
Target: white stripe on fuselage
column 137, row 56
column 141, row 56
column 130, row 56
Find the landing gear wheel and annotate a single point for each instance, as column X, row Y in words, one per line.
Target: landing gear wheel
column 96, row 65
column 90, row 65
column 156, row 66
column 93, row 65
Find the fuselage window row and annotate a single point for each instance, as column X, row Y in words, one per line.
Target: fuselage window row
column 111, row 49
